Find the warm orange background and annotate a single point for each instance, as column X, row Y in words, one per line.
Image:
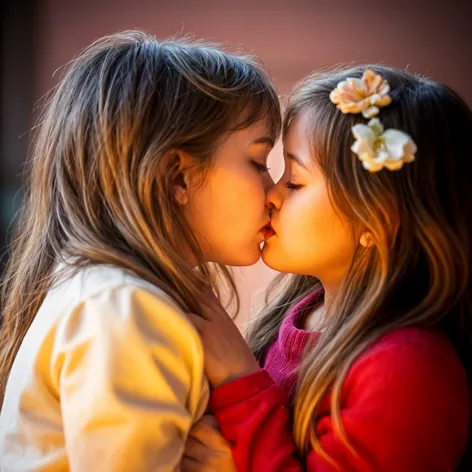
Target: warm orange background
column 292, row 38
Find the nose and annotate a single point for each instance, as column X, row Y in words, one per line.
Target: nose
column 268, row 182
column 274, row 197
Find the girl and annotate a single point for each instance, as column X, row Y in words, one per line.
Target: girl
column 370, row 341
column 145, row 154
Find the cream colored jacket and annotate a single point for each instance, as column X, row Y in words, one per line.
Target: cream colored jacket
column 108, row 378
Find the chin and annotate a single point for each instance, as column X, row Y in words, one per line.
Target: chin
column 240, row 258
column 267, row 259
column 275, row 263
column 249, row 260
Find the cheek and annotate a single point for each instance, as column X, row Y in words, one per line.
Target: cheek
column 227, row 212
column 231, row 203
column 302, row 216
column 241, row 193
column 312, row 232
column 325, row 225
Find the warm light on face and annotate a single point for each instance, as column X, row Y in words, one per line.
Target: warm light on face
column 310, row 236
column 228, row 213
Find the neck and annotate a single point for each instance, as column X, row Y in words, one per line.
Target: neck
column 314, row 321
column 329, row 295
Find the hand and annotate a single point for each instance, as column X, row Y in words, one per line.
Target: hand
column 227, row 355
column 206, row 449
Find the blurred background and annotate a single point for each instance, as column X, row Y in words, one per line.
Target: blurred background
column 292, row 38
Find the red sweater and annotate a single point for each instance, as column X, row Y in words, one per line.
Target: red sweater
column 404, row 406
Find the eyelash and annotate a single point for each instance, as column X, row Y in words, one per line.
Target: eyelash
column 261, row 168
column 291, row 186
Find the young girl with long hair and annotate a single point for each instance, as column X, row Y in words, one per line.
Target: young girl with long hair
column 144, row 157
column 369, row 341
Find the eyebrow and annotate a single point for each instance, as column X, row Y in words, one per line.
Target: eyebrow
column 264, row 140
column 297, row 160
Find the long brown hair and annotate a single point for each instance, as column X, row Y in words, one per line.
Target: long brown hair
column 418, row 273
column 102, row 172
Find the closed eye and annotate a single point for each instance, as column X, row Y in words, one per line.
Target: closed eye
column 292, row 186
column 261, row 167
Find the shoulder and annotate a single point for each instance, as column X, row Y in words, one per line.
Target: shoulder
column 412, row 354
column 110, row 305
column 121, row 332
column 413, row 347
column 411, row 387
column 412, row 371
column 98, row 283
column 83, row 283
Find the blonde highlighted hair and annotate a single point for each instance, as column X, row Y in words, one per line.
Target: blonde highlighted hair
column 101, row 177
column 418, row 272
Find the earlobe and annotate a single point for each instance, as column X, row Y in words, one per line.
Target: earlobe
column 180, row 189
column 366, row 239
column 181, row 168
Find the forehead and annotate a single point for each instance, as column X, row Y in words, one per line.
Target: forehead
column 263, row 127
column 297, row 138
column 261, row 132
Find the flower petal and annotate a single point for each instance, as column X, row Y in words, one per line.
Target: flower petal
column 411, row 147
column 364, row 146
column 351, row 89
column 384, row 88
column 364, row 132
column 374, row 98
column 363, row 150
column 370, row 112
column 350, row 107
column 334, row 96
column 372, row 166
column 355, row 95
column 381, row 156
column 408, row 158
column 384, row 101
column 376, row 83
column 371, row 81
column 394, row 165
column 396, row 142
column 376, row 126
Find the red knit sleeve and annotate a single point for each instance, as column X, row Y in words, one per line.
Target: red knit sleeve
column 253, row 415
column 405, row 406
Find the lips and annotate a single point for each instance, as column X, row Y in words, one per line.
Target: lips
column 268, row 231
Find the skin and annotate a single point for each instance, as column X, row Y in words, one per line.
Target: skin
column 227, row 214
column 311, row 237
column 228, row 211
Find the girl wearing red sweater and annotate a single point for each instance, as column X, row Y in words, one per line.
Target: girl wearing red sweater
column 362, row 360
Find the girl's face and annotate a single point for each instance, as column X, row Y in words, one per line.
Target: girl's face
column 228, row 212
column 311, row 237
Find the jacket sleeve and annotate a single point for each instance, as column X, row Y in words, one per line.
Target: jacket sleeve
column 129, row 372
column 404, row 408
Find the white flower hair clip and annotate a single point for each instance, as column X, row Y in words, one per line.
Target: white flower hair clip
column 375, row 147
column 364, row 95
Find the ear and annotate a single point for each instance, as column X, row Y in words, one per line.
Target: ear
column 180, row 189
column 181, row 176
column 366, row 239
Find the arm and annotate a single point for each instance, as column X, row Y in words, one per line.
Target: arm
column 129, row 370
column 253, row 415
column 404, row 408
column 206, row 448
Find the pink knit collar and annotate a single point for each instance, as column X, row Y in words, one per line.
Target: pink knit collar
column 292, row 340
